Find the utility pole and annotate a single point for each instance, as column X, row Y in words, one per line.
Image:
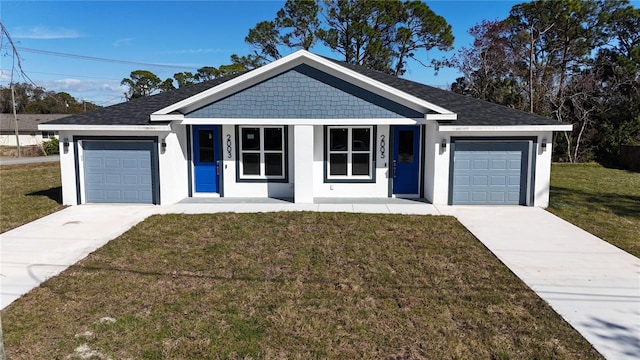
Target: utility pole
column 3, row 355
column 15, row 119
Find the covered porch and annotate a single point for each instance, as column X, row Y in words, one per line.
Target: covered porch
column 392, row 205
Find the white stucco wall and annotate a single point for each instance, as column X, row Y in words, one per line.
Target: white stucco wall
column 173, row 165
column 25, row 139
column 305, row 165
column 67, row 170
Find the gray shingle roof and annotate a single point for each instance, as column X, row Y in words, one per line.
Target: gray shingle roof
column 471, row 112
column 138, row 111
column 26, row 122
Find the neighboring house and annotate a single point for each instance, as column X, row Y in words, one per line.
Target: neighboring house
column 305, row 127
column 28, row 132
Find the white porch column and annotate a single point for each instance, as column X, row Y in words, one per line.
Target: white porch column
column 303, row 164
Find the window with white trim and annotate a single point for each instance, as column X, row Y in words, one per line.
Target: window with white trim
column 261, row 152
column 349, row 152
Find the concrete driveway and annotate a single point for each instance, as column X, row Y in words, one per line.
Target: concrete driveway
column 592, row 284
column 34, row 252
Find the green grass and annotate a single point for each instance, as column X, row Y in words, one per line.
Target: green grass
column 28, row 192
column 289, row 285
column 604, row 202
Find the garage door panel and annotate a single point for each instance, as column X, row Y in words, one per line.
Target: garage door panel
column 495, row 172
column 497, row 196
column 118, row 172
column 461, row 197
column 479, row 180
column 478, row 196
column 499, row 164
column 498, row 180
column 462, row 180
column 463, row 164
column 480, row 165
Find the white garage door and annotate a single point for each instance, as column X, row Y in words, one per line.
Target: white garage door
column 118, row 172
column 493, row 173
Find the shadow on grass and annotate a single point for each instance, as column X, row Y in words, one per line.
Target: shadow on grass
column 621, row 205
column 54, row 194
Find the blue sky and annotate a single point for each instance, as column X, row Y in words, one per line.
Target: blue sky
column 182, row 36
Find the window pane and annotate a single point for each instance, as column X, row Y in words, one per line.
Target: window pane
column 360, row 164
column 405, row 146
column 338, row 139
column 273, row 164
column 338, row 164
column 273, row 138
column 205, row 139
column 250, row 139
column 361, row 139
column 250, row 164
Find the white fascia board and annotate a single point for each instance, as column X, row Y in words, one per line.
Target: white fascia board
column 288, row 62
column 167, row 117
column 74, row 127
column 528, row 128
column 448, row 117
column 267, row 122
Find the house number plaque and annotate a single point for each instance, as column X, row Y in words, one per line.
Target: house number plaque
column 382, row 146
column 228, row 146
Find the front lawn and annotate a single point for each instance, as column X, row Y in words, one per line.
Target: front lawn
column 289, row 285
column 28, row 192
column 604, row 202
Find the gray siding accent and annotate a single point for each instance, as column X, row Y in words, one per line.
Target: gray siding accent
column 305, row 93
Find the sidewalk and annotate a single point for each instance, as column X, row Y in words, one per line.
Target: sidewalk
column 32, row 253
column 592, row 284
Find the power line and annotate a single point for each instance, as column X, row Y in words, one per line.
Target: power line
column 94, row 58
column 80, row 76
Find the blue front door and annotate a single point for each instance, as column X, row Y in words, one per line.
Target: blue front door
column 406, row 160
column 206, row 158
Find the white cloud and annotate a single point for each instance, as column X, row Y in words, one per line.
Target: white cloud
column 122, row 42
column 101, row 92
column 5, row 76
column 44, row 33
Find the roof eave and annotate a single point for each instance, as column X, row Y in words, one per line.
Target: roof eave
column 102, row 127
column 504, row 128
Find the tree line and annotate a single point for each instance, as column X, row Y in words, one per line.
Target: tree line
column 32, row 99
column 577, row 61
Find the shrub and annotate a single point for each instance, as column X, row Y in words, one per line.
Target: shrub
column 51, row 147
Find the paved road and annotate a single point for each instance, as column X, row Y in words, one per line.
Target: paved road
column 28, row 160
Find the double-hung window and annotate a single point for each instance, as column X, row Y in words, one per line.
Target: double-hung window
column 350, row 153
column 262, row 153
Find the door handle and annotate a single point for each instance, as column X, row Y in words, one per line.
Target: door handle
column 393, row 168
column 218, row 168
